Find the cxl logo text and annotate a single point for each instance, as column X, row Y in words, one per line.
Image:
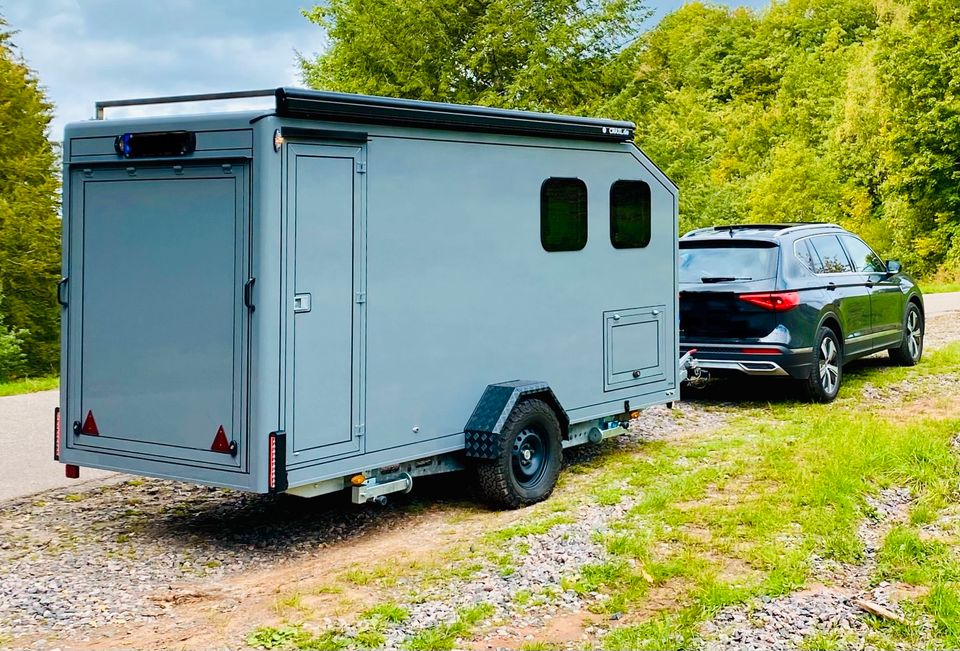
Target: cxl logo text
column 616, row 131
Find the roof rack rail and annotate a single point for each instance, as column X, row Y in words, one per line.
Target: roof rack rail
column 368, row 109
column 178, row 99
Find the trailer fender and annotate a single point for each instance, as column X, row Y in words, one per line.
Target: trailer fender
column 482, row 430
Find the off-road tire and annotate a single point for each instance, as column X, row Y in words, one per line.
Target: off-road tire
column 500, row 482
column 819, row 388
column 910, row 350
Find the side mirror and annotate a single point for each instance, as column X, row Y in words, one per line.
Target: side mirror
column 893, row 266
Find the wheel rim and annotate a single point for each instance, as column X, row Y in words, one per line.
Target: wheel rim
column 529, row 457
column 829, row 365
column 914, row 335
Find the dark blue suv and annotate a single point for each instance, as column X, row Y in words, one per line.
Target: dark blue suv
column 793, row 300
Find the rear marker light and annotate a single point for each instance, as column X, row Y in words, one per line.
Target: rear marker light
column 72, row 471
column 277, row 462
column 775, row 301
column 760, row 351
column 56, row 434
column 272, row 463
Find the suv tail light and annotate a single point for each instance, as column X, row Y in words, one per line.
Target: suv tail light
column 776, row 301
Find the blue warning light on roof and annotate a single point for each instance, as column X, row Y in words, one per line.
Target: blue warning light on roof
column 156, row 144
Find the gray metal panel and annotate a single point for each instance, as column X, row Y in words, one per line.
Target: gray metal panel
column 323, row 220
column 158, row 324
column 461, row 292
column 636, row 347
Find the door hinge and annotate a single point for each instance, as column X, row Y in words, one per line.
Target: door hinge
column 360, row 429
column 361, row 297
column 361, row 167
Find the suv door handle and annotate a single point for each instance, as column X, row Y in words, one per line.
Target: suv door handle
column 831, row 287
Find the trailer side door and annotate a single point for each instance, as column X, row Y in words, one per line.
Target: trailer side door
column 324, row 301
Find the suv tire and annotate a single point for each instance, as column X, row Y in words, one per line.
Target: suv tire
column 910, row 350
column 826, row 373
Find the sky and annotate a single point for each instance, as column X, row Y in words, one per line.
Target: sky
column 88, row 50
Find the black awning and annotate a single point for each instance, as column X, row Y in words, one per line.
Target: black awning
column 365, row 109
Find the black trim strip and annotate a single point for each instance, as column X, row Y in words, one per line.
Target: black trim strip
column 323, row 134
column 342, row 107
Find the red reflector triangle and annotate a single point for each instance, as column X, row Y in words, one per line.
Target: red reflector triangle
column 220, row 442
column 90, row 426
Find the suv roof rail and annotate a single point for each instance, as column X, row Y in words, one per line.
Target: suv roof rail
column 799, row 227
column 775, row 229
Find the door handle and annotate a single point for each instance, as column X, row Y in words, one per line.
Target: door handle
column 301, row 303
column 248, row 294
column 831, row 287
column 60, row 287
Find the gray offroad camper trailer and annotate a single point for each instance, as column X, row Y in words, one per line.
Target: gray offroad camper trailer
column 340, row 292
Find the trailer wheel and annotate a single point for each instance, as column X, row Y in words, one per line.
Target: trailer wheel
column 528, row 463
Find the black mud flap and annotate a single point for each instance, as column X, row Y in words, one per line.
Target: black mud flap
column 482, row 431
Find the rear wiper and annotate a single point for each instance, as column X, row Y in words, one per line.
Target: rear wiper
column 722, row 279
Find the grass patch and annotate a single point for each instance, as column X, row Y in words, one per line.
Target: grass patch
column 443, row 637
column 534, row 528
column 387, row 612
column 943, row 604
column 936, row 287
column 270, row 637
column 736, row 514
column 384, row 575
column 29, row 385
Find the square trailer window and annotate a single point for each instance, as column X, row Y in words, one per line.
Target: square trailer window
column 563, row 214
column 629, row 215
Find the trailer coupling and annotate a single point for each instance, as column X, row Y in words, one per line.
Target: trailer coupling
column 373, row 490
column 691, row 372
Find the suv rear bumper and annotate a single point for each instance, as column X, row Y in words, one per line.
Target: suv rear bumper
column 773, row 361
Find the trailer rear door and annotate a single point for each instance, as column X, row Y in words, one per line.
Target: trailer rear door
column 157, row 320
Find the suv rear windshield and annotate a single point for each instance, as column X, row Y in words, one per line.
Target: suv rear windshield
column 719, row 262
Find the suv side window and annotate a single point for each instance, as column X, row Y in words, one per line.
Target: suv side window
column 864, row 259
column 833, row 259
column 808, row 256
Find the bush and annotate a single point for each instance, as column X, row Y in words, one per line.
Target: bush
column 12, row 358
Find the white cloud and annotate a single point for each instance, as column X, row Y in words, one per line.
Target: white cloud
column 89, row 50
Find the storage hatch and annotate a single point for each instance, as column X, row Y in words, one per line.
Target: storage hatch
column 635, row 347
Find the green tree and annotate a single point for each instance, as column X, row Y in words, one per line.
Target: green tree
column 12, row 359
column 550, row 55
column 812, row 110
column 29, row 225
column 919, row 67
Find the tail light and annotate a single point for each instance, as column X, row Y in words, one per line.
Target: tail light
column 56, row 434
column 775, row 301
column 759, row 351
column 272, row 462
column 277, row 462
